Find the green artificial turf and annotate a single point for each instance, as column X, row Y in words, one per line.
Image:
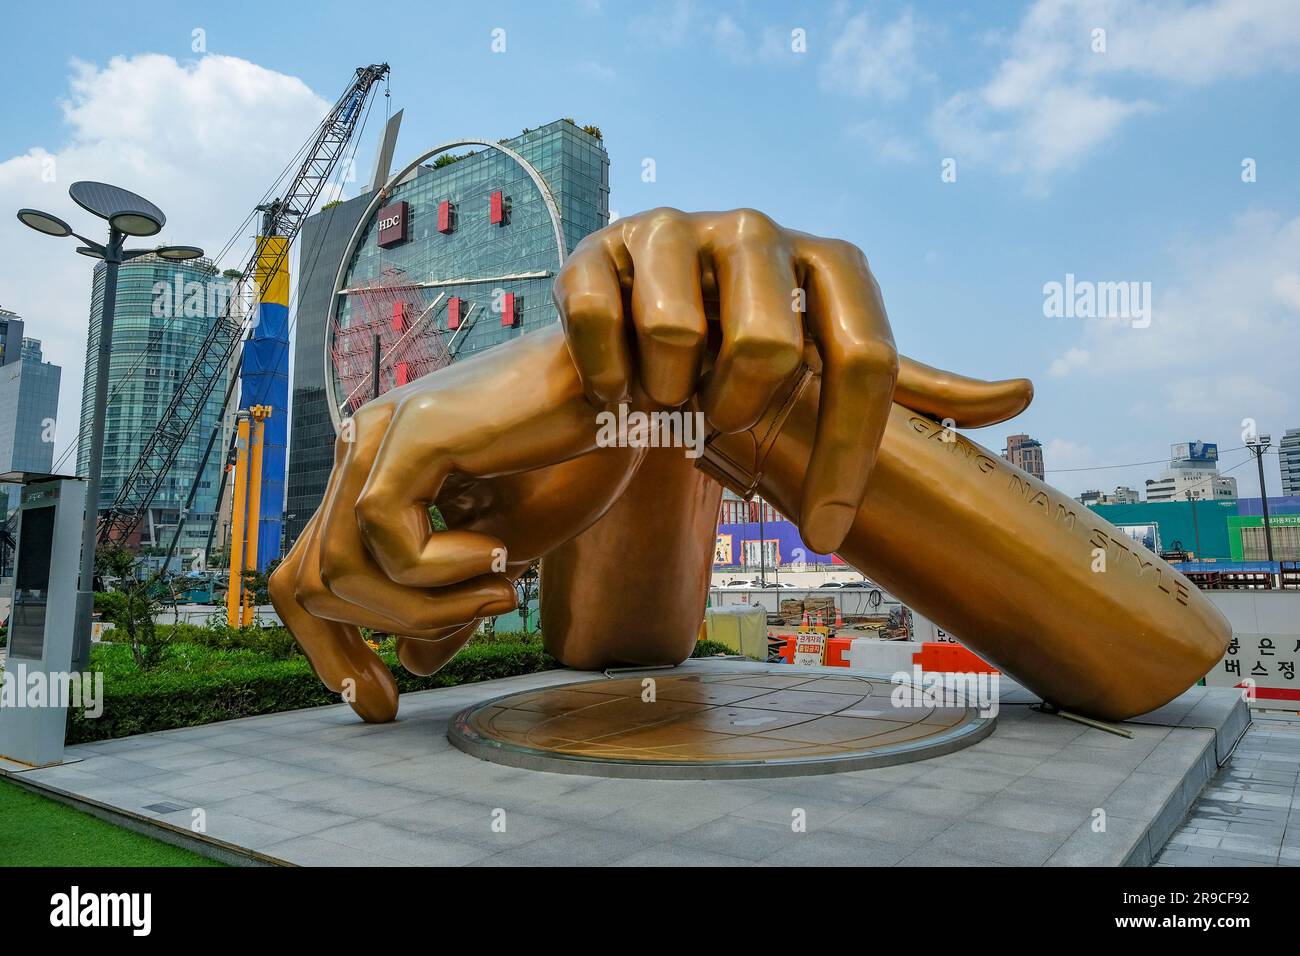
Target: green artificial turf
column 35, row 831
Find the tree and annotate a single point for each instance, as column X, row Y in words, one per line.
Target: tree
column 526, row 588
column 133, row 604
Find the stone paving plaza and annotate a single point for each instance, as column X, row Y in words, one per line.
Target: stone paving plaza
column 1249, row 815
column 320, row 787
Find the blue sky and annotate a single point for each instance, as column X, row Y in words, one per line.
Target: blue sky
column 1121, row 164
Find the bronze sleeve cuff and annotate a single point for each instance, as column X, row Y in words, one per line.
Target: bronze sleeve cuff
column 742, row 477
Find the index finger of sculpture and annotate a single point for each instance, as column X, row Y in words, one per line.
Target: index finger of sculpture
column 859, row 367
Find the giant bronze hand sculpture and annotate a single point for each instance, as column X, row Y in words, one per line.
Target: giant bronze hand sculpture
column 783, row 338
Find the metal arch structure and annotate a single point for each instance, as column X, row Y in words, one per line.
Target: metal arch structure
column 382, row 195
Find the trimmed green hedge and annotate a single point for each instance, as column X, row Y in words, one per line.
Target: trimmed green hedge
column 213, row 674
column 197, row 686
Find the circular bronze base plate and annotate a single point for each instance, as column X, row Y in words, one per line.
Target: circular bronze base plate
column 726, row 722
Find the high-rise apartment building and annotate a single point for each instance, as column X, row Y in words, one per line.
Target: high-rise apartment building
column 1288, row 458
column 1193, row 474
column 11, row 336
column 1026, row 454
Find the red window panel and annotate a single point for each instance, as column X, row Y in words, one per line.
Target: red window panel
column 399, row 317
column 509, row 317
column 445, row 222
column 497, row 210
column 454, row 312
column 401, row 373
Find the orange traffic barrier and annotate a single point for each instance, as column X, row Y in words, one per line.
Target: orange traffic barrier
column 948, row 658
column 837, row 651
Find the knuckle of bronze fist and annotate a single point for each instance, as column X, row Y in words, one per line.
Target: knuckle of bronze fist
column 665, row 327
column 848, row 254
column 588, row 307
column 660, row 215
column 332, row 564
column 371, row 508
column 751, row 226
column 781, row 353
column 280, row 583
column 871, row 358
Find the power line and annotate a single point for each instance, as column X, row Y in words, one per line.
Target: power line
column 1132, row 464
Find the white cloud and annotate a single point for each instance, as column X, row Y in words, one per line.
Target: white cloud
column 595, row 70
column 203, row 140
column 1065, row 453
column 668, row 25
column 1195, row 44
column 873, row 60
column 740, row 39
column 884, row 142
column 1222, row 341
column 1073, row 358
column 1054, row 98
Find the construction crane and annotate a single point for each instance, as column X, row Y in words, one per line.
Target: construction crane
column 282, row 217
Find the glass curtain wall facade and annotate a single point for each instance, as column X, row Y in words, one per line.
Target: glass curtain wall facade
column 321, row 244
column 29, row 403
column 478, row 231
column 164, row 310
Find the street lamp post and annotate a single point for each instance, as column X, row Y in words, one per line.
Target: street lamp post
column 127, row 215
column 1259, row 444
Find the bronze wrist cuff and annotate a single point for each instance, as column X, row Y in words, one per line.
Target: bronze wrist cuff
column 742, row 477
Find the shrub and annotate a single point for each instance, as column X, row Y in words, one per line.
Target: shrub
column 707, row 648
column 195, row 684
column 275, row 643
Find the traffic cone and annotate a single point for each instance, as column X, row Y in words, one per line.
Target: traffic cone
column 839, row 618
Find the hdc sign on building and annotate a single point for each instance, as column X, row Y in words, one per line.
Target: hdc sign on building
column 393, row 224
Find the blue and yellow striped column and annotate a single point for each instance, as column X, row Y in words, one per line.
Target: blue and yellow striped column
column 265, row 381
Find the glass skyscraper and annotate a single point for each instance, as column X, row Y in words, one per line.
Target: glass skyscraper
column 29, row 404
column 476, row 229
column 164, row 310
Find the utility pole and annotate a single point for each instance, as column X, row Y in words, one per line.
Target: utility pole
column 1194, row 496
